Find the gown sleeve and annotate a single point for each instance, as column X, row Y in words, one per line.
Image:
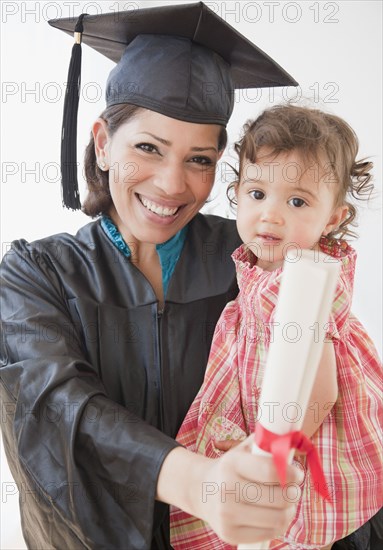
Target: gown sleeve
column 86, row 466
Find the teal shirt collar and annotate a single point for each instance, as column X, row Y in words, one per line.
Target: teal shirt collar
column 168, row 252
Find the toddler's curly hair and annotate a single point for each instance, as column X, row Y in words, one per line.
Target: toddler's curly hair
column 317, row 136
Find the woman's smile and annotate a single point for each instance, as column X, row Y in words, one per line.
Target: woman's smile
column 156, row 209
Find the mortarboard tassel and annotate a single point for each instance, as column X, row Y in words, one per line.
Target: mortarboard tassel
column 69, row 184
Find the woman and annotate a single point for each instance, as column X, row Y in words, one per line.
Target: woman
column 107, row 332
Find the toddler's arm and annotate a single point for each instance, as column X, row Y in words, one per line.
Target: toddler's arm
column 324, row 393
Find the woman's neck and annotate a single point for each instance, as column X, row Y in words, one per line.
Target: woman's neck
column 145, row 258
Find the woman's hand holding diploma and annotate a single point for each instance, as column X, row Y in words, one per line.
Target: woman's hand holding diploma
column 238, row 494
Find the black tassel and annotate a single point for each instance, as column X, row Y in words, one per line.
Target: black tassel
column 69, row 184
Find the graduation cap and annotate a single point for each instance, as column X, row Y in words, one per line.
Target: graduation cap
column 182, row 61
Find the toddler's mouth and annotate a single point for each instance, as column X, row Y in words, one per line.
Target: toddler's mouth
column 269, row 237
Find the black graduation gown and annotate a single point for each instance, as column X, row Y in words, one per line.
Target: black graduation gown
column 90, row 371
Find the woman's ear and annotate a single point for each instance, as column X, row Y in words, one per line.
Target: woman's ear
column 101, row 142
column 336, row 218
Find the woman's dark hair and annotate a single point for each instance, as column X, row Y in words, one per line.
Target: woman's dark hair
column 319, row 137
column 98, row 201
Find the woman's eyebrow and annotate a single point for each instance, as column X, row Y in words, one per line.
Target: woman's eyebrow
column 161, row 140
column 200, row 149
column 169, row 143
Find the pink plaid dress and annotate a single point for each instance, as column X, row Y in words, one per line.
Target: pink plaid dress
column 349, row 441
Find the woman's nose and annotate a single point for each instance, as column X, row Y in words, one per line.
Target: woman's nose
column 171, row 179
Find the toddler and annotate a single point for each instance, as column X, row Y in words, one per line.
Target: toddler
column 297, row 171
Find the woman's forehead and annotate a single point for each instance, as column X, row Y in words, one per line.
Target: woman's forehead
column 170, row 131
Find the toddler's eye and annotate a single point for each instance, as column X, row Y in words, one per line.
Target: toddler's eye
column 257, row 195
column 298, row 203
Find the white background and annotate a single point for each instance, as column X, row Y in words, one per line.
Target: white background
column 333, row 49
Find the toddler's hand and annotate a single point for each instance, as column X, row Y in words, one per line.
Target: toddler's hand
column 226, row 444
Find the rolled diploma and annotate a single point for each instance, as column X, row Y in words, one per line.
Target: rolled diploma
column 301, row 316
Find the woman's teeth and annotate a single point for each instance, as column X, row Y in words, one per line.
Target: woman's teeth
column 158, row 209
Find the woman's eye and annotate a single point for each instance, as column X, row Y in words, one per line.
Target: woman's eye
column 257, row 195
column 297, row 203
column 147, row 147
column 202, row 160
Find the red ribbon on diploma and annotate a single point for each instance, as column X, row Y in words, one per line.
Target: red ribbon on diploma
column 280, row 445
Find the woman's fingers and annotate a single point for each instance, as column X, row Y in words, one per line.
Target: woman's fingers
column 251, row 523
column 264, row 524
column 224, row 487
column 256, row 516
column 256, row 468
column 242, row 499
